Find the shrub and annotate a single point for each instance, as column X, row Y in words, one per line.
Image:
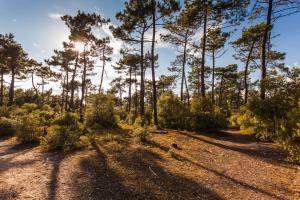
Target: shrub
column 63, row 138
column 101, row 112
column 8, row 126
column 243, row 119
column 204, row 115
column 109, row 137
column 206, row 120
column 172, row 113
column 67, row 119
column 29, row 107
column 140, row 133
column 30, row 129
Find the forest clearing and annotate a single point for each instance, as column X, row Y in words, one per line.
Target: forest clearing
column 152, row 99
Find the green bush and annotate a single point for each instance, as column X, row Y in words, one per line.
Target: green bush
column 67, row 119
column 204, row 115
column 140, row 134
column 8, row 126
column 243, row 119
column 63, row 138
column 206, row 120
column 172, row 113
column 100, row 112
column 29, row 107
column 30, row 129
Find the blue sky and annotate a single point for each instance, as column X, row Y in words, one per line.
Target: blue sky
column 37, row 27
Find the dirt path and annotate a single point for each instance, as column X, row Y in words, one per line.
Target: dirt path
column 206, row 166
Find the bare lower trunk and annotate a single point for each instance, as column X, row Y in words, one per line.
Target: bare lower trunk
column 203, row 54
column 83, row 88
column 154, row 96
column 263, row 51
column 11, row 88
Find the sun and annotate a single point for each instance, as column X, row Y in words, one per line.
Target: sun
column 79, row 46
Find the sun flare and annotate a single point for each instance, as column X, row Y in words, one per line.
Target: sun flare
column 79, row 46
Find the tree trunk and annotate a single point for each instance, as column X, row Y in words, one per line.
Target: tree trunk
column 263, row 51
column 246, row 72
column 154, row 96
column 203, row 54
column 213, row 77
column 73, row 85
column 142, row 92
column 129, row 90
column 103, row 68
column 83, row 87
column 220, row 91
column 67, row 90
column 183, row 68
column 2, row 88
column 12, row 87
column 35, row 89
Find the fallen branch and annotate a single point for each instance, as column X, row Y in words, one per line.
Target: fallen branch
column 153, row 171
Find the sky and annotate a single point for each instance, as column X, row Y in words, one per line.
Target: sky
column 38, row 28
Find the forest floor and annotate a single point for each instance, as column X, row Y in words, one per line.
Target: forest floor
column 225, row 165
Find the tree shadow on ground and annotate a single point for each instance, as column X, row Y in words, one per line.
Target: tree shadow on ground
column 215, row 172
column 53, row 184
column 8, row 194
column 18, row 148
column 133, row 174
column 230, row 137
column 269, row 154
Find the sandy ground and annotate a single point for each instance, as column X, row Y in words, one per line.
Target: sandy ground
column 200, row 166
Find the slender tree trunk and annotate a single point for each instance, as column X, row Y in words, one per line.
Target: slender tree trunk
column 213, row 77
column 67, row 90
column 142, row 92
column 263, row 50
column 154, row 96
column 12, row 88
column 129, row 90
column 136, row 94
column 183, row 68
column 63, row 96
column 73, row 85
column 2, row 88
column 198, row 80
column 220, row 91
column 246, row 72
column 35, row 89
column 187, row 91
column 83, row 87
column 203, row 54
column 103, row 68
column 43, row 83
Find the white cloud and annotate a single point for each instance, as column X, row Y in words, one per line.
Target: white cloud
column 35, row 44
column 14, row 20
column 55, row 16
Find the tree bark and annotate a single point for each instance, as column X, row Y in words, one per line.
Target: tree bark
column 12, row 87
column 73, row 85
column 183, row 68
column 129, row 89
column 154, row 96
column 213, row 77
column 83, row 87
column 103, row 68
column 246, row 71
column 142, row 92
column 263, row 51
column 203, row 54
column 35, row 89
column 2, row 88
